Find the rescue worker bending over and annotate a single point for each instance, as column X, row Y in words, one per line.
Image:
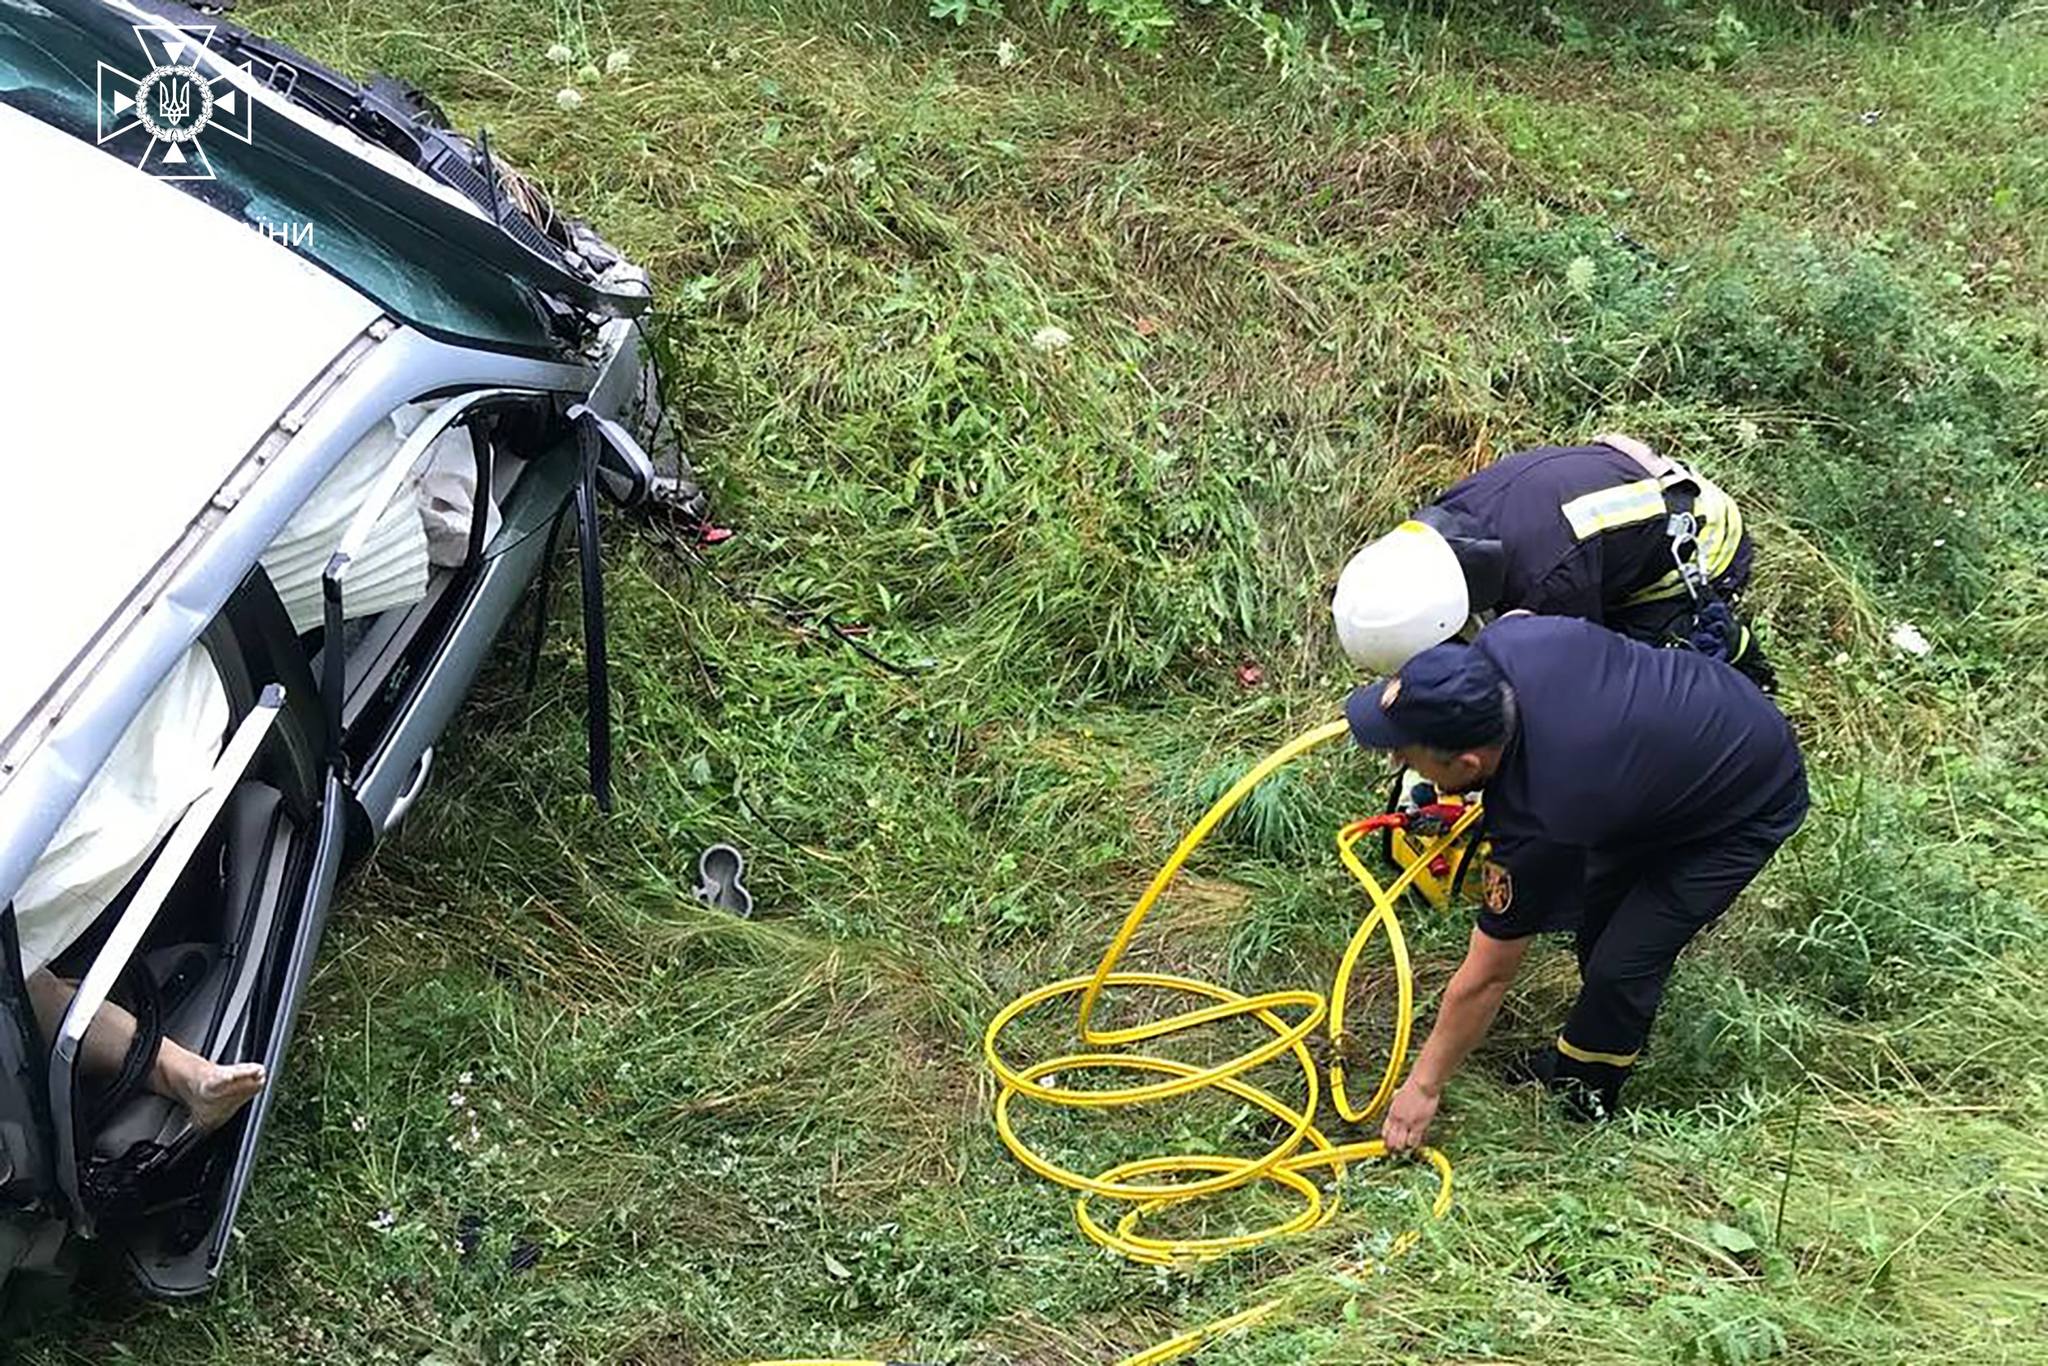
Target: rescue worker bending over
column 1611, row 532
column 1631, row 791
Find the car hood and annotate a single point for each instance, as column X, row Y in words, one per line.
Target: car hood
column 365, row 180
column 150, row 342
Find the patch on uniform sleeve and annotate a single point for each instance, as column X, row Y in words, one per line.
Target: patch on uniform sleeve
column 1498, row 889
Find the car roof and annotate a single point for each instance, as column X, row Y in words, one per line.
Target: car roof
column 150, row 344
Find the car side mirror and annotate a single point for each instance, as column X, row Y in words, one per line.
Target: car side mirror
column 624, row 471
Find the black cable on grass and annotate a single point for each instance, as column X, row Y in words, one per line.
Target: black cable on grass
column 1621, row 236
column 793, row 613
column 872, row 656
column 760, row 817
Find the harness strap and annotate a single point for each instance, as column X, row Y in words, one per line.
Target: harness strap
column 1702, row 523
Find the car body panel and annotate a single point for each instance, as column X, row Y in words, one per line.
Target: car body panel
column 400, row 367
column 108, row 464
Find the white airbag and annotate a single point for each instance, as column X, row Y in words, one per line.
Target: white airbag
column 392, row 569
column 448, row 503
column 158, row 768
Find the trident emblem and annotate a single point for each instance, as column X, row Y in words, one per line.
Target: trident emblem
column 174, row 101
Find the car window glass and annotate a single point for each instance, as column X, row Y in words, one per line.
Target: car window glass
column 49, row 60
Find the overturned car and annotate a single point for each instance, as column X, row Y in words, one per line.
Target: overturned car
column 304, row 389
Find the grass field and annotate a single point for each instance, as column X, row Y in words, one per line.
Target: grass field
column 544, row 1108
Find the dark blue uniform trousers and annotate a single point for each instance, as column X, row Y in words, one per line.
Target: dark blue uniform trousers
column 1641, row 908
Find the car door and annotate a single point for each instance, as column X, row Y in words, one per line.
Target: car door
column 164, row 1270
column 395, row 689
column 183, row 1257
column 178, row 1251
column 211, row 944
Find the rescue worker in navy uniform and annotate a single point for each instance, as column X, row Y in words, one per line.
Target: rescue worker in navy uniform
column 1609, row 532
column 1630, row 791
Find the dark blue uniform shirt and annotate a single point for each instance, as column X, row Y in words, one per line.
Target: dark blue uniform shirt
column 1618, row 745
column 1519, row 500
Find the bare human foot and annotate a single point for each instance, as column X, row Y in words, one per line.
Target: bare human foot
column 211, row 1092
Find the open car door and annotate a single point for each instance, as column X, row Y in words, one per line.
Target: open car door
column 392, row 689
column 212, row 946
column 164, row 1270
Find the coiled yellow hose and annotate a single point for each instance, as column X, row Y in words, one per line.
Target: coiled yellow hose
column 1303, row 1149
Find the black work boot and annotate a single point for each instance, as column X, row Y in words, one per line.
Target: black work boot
column 1537, row 1067
column 1586, row 1090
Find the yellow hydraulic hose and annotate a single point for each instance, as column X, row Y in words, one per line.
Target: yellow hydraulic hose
column 1293, row 1017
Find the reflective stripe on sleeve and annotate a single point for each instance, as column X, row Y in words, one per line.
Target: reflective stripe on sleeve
column 1622, row 505
column 1720, row 536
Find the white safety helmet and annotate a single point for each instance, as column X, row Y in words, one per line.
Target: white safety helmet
column 1400, row 595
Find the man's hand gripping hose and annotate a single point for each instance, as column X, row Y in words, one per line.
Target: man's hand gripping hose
column 1303, row 1024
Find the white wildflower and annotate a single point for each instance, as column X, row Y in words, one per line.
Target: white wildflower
column 456, row 1100
column 560, row 54
column 466, row 1078
column 1051, row 338
column 619, row 60
column 1940, row 541
column 1841, row 658
column 1907, row 639
column 568, row 97
column 384, row 1221
column 1006, row 53
column 361, row 1124
column 1748, row 433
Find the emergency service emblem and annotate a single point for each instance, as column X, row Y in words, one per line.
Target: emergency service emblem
column 158, row 118
column 1498, row 889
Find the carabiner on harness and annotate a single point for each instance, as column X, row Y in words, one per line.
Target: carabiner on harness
column 1684, row 531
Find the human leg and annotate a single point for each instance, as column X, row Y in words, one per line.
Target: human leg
column 1625, row 974
column 211, row 1092
column 1608, row 879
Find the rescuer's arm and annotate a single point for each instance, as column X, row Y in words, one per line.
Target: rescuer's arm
column 1573, row 587
column 1470, row 1002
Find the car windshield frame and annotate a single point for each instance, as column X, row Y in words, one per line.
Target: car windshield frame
column 284, row 183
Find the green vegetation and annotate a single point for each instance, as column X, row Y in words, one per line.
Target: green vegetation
column 1078, row 371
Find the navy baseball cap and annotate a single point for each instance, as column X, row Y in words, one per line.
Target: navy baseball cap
column 1450, row 697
